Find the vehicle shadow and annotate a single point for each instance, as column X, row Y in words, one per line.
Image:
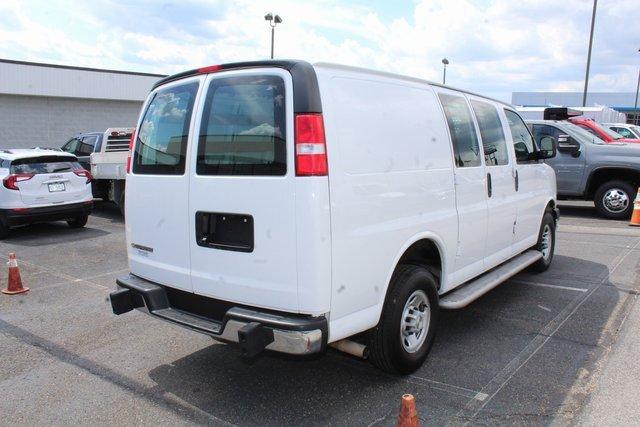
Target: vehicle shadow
column 578, row 210
column 51, row 233
column 495, row 338
column 107, row 211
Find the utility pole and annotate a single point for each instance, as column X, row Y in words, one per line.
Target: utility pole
column 586, row 78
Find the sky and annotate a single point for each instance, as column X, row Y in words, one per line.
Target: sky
column 495, row 47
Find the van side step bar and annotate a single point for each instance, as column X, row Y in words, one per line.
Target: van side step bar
column 471, row 291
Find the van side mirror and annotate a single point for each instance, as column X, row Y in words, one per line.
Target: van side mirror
column 567, row 144
column 547, row 147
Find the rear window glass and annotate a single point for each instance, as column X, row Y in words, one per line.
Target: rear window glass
column 161, row 143
column 243, row 127
column 44, row 164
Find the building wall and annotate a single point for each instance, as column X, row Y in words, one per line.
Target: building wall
column 29, row 121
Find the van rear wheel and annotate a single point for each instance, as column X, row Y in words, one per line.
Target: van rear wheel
column 402, row 339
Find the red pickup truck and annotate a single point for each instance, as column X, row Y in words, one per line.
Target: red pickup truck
column 600, row 131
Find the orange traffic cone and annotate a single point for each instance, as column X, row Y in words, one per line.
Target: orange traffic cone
column 635, row 216
column 408, row 416
column 14, row 285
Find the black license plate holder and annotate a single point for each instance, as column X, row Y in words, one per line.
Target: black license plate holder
column 225, row 231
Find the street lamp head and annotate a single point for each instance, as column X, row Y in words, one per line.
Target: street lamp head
column 268, row 17
column 445, row 61
column 277, row 19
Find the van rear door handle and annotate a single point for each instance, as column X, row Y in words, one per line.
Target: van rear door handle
column 489, row 184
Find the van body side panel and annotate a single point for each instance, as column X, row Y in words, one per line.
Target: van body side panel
column 241, row 109
column 390, row 178
column 313, row 243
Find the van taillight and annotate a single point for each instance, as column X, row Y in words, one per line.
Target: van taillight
column 311, row 150
column 131, row 140
column 11, row 181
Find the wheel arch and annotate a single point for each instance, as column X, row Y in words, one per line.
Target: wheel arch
column 425, row 249
column 600, row 175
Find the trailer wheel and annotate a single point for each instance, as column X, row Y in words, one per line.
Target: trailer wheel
column 402, row 339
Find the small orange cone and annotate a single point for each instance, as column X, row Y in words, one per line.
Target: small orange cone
column 14, row 285
column 408, row 416
column 635, row 216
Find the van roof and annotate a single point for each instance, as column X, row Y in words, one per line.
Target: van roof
column 303, row 74
column 405, row 78
column 24, row 153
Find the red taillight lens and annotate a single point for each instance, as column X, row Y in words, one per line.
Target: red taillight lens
column 85, row 173
column 131, row 141
column 11, row 181
column 311, row 150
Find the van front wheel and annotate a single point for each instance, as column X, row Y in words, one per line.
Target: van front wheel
column 402, row 339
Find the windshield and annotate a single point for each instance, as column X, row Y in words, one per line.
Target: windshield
column 636, row 130
column 582, row 134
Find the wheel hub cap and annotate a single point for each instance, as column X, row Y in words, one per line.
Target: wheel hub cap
column 415, row 321
column 545, row 244
column 615, row 200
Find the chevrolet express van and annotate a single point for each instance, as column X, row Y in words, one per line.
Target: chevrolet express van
column 287, row 206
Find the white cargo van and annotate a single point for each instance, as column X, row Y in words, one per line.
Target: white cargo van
column 288, row 206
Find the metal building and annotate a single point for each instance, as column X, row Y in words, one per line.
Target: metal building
column 44, row 105
column 623, row 102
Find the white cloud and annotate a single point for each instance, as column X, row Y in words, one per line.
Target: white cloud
column 494, row 47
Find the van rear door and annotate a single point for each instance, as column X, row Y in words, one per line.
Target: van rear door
column 157, row 192
column 242, row 198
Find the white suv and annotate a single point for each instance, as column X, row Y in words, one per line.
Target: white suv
column 40, row 185
column 288, row 206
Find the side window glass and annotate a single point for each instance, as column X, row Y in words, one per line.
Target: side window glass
column 544, row 130
column 71, row 145
column 466, row 148
column 493, row 140
column 522, row 140
column 624, row 132
column 86, row 146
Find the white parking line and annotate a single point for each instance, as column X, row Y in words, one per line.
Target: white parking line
column 546, row 285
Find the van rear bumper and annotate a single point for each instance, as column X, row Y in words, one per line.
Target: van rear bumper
column 252, row 328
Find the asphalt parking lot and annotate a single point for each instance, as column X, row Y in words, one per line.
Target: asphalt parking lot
column 528, row 352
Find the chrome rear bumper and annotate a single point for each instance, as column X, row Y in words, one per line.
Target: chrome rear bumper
column 253, row 329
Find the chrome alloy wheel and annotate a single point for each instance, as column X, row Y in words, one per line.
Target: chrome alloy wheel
column 615, row 200
column 415, row 321
column 545, row 243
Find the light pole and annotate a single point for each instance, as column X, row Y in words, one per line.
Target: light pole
column 273, row 21
column 445, row 62
column 586, row 77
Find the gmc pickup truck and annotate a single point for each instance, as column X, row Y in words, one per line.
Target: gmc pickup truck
column 589, row 168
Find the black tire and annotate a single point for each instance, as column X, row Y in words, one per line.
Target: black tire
column 121, row 203
column 616, row 189
column 4, row 230
column 78, row 222
column 544, row 263
column 386, row 347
